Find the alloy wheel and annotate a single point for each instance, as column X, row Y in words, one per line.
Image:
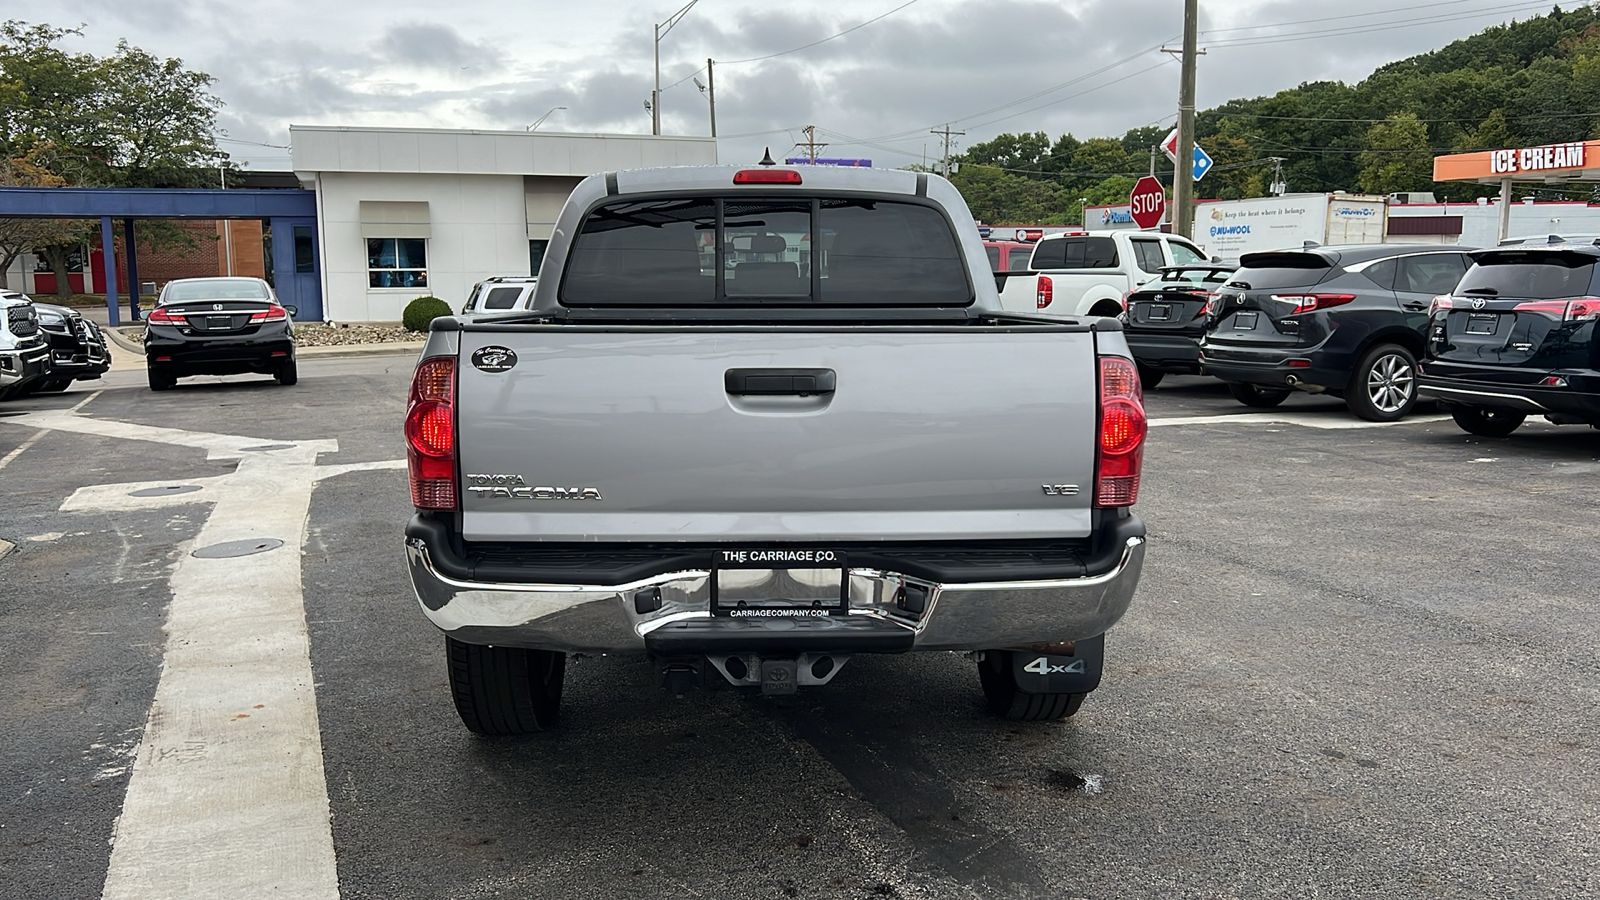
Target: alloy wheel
column 1390, row 382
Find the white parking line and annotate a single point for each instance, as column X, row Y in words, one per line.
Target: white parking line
column 227, row 797
column 1333, row 422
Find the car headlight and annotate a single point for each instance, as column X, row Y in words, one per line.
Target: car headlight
column 49, row 317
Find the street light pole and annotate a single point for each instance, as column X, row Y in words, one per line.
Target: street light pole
column 711, row 92
column 540, row 121
column 662, row 28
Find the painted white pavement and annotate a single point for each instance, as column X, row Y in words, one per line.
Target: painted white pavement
column 227, row 797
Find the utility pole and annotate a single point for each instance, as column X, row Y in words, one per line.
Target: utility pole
column 946, row 133
column 810, row 143
column 1153, row 149
column 711, row 91
column 1278, row 185
column 1183, row 179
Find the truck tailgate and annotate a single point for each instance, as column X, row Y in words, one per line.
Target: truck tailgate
column 633, row 433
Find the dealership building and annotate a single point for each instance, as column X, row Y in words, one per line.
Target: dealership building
column 408, row 212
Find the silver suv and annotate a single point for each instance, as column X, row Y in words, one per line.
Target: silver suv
column 501, row 293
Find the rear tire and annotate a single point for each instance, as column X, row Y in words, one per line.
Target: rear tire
column 1011, row 702
column 1486, row 422
column 287, row 374
column 1149, row 378
column 1383, row 387
column 161, row 381
column 1256, row 396
column 504, row 691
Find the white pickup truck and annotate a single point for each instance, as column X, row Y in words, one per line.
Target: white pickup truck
column 748, row 429
column 1088, row 274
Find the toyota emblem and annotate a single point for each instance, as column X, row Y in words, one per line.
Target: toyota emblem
column 1479, row 303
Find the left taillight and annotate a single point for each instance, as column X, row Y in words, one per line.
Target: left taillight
column 160, row 316
column 274, row 313
column 1119, row 450
column 431, row 435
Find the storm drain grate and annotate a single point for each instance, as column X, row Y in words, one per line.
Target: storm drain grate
column 230, row 549
column 165, row 490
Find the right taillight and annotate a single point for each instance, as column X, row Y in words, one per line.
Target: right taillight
column 1304, row 303
column 431, row 434
column 1119, row 450
column 1567, row 310
column 1443, row 301
column 1045, row 292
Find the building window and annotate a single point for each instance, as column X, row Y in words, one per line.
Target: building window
column 305, row 250
column 397, row 262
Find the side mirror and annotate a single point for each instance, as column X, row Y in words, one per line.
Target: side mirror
column 293, row 310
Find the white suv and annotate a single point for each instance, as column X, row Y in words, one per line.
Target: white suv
column 501, row 293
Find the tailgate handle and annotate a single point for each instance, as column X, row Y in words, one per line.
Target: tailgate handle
column 779, row 381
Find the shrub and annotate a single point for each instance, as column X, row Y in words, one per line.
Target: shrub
column 422, row 311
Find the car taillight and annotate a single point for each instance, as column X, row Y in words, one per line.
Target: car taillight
column 1125, row 296
column 159, row 316
column 1304, row 303
column 1443, row 301
column 274, row 313
column 1119, row 452
column 431, row 434
column 1566, row 310
column 1045, row 292
column 1210, row 304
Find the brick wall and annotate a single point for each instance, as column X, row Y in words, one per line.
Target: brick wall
column 205, row 260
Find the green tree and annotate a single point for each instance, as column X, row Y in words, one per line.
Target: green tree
column 129, row 119
column 1397, row 157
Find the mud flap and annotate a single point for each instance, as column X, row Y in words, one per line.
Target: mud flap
column 1043, row 673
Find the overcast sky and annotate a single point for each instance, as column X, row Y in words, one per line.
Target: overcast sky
column 1094, row 65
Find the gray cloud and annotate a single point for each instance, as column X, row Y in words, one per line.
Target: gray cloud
column 937, row 61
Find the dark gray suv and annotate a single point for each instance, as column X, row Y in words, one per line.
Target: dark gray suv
column 1345, row 321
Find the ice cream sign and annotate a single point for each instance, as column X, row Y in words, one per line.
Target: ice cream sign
column 1494, row 165
column 1537, row 159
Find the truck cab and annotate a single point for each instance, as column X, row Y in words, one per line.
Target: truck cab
column 1089, row 274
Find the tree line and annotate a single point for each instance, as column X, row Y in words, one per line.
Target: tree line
column 1515, row 85
column 74, row 119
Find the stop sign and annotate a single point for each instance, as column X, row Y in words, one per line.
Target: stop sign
column 1147, row 202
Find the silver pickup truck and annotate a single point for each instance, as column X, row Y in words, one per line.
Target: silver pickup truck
column 758, row 421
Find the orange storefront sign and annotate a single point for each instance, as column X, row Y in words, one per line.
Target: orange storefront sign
column 1524, row 162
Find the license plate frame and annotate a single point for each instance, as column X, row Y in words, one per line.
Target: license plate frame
column 1159, row 312
column 1246, row 321
column 219, row 323
column 816, row 582
column 1484, row 325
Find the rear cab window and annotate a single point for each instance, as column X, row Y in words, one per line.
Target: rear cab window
column 1076, row 253
column 1147, row 255
column 1183, row 254
column 1550, row 275
column 747, row 250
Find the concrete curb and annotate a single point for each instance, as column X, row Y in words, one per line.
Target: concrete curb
column 398, row 348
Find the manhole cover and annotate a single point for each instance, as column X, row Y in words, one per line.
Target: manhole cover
column 228, row 549
column 165, row 490
column 260, row 447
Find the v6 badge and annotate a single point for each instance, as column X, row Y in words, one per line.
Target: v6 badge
column 494, row 359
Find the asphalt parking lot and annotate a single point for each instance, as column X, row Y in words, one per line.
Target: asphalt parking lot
column 1362, row 663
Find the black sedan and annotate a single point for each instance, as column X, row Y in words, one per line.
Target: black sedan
column 218, row 326
column 1164, row 320
column 77, row 348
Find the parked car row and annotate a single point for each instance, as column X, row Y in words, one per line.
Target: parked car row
column 44, row 347
column 1494, row 335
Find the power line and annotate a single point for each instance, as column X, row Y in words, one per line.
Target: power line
column 1335, row 18
column 1587, row 115
column 735, row 62
column 1261, row 40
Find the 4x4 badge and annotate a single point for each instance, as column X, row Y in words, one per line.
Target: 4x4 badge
column 494, row 359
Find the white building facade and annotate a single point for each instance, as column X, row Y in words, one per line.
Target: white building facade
column 412, row 212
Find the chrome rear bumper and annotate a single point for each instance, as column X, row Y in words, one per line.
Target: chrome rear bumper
column 612, row 618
